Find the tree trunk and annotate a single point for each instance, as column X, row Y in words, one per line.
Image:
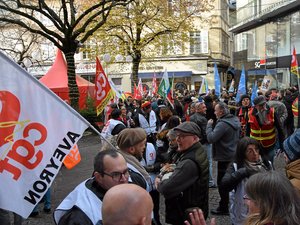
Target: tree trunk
column 135, row 69
column 73, row 88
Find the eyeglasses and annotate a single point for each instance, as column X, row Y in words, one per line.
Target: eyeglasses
column 181, row 136
column 246, row 197
column 117, row 176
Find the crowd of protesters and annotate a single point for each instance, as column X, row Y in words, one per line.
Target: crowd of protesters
column 242, row 137
column 167, row 148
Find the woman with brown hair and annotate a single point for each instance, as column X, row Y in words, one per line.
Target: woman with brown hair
column 248, row 161
column 272, row 200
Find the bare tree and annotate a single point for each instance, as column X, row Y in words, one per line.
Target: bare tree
column 67, row 24
column 21, row 45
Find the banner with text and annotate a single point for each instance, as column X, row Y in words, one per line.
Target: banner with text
column 37, row 131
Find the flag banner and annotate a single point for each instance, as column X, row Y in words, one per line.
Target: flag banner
column 254, row 92
column 103, row 90
column 217, row 81
column 154, row 85
column 118, row 93
column 242, row 85
column 170, row 93
column 37, row 131
column 266, row 83
column 136, row 94
column 140, row 88
column 204, row 87
column 164, row 85
column 231, row 88
column 294, row 64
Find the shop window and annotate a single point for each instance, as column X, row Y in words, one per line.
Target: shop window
column 283, row 36
column 271, row 40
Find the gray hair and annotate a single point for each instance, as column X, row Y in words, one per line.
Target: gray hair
column 223, row 107
column 171, row 134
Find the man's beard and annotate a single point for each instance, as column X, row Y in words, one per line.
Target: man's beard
column 262, row 117
column 138, row 156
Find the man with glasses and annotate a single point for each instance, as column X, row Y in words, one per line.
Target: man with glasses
column 187, row 187
column 83, row 205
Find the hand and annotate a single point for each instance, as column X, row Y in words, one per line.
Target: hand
column 210, row 121
column 197, row 218
column 156, row 182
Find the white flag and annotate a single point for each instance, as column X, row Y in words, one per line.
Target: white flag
column 37, row 131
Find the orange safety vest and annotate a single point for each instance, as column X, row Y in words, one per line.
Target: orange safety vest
column 265, row 134
column 295, row 107
column 295, row 111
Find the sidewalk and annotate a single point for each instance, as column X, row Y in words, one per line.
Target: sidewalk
column 66, row 180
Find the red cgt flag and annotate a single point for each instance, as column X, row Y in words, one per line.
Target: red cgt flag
column 154, row 85
column 294, row 64
column 103, row 90
column 136, row 93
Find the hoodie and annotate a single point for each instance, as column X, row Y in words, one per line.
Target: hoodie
column 224, row 137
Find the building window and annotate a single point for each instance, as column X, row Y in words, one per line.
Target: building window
column 241, row 42
column 117, row 81
column 224, row 10
column 198, row 42
column 295, row 31
column 89, row 49
column 225, row 43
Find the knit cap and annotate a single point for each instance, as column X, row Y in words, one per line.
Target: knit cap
column 291, row 146
column 130, row 137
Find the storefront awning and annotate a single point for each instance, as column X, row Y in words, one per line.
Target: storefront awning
column 262, row 72
column 170, row 73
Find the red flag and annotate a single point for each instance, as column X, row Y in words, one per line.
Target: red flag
column 294, row 64
column 140, row 88
column 102, row 88
column 154, row 85
column 136, row 94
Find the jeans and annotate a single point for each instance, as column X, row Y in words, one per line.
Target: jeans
column 47, row 201
column 208, row 149
column 224, row 195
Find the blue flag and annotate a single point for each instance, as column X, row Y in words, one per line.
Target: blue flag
column 254, row 92
column 242, row 85
column 217, row 81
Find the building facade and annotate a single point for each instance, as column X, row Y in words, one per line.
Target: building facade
column 265, row 33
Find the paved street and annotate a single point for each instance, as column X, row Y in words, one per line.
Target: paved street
column 66, row 180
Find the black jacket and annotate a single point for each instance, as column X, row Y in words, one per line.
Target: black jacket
column 187, row 187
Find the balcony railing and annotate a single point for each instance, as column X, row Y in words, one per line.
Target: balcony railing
column 253, row 10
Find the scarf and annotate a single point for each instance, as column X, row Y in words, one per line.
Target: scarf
column 293, row 173
column 134, row 162
column 258, row 166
